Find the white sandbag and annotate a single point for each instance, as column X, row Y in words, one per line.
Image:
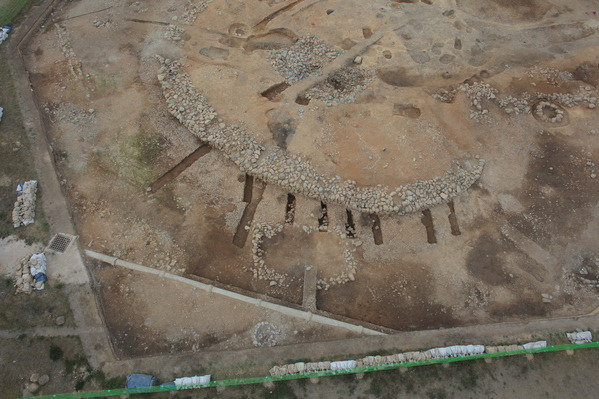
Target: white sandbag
column 580, row 337
column 37, row 264
column 535, row 345
column 188, row 382
column 343, row 365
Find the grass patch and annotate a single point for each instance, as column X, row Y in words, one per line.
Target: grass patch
column 281, row 390
column 16, row 162
column 133, row 158
column 106, row 383
column 40, row 308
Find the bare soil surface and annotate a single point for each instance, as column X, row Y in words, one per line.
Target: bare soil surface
column 95, row 75
column 187, row 320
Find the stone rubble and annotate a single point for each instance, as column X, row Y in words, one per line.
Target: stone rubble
column 265, row 335
column 192, row 10
column 482, row 94
column 105, row 23
column 260, row 270
column 479, row 94
column 23, row 213
column 342, row 86
column 24, row 281
column 174, row 33
column 290, row 171
column 446, row 95
column 67, row 51
column 305, row 58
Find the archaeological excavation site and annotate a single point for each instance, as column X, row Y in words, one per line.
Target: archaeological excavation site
column 263, row 173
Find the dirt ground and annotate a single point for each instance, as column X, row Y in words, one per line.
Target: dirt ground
column 527, row 247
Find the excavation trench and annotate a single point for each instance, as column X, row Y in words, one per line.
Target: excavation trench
column 172, row 174
column 453, row 220
column 248, row 188
column 427, row 221
column 323, row 221
column 274, row 91
column 290, row 209
column 350, row 227
column 376, row 229
column 243, row 229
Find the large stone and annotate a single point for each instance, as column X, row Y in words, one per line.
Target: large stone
column 44, row 379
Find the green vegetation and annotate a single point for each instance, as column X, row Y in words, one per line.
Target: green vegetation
column 133, row 158
column 16, row 162
column 56, row 352
column 281, row 390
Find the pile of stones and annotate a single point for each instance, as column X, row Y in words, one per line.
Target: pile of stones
column 305, row 58
column 23, row 279
column 300, row 367
column 174, row 33
column 516, row 105
column 35, row 382
column 342, row 86
column 104, row 23
column 446, row 95
column 265, row 335
column 290, row 171
column 479, row 94
column 192, row 11
column 24, row 210
column 584, row 94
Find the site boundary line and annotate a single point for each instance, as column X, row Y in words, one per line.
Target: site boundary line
column 318, row 374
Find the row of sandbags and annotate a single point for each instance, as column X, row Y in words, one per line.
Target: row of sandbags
column 434, row 353
column 580, row 337
column 300, row 367
column 23, row 213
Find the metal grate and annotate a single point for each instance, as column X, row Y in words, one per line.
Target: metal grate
column 60, row 242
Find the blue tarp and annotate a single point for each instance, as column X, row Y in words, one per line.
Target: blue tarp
column 140, row 381
column 4, row 33
column 40, row 277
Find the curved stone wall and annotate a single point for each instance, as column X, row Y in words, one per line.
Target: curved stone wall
column 296, row 175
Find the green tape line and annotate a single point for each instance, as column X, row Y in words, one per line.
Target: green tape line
column 316, row 374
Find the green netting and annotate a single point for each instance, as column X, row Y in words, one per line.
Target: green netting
column 9, row 9
column 328, row 373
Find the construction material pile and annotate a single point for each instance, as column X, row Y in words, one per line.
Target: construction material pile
column 4, row 31
column 580, row 337
column 407, row 357
column 24, row 210
column 31, row 273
